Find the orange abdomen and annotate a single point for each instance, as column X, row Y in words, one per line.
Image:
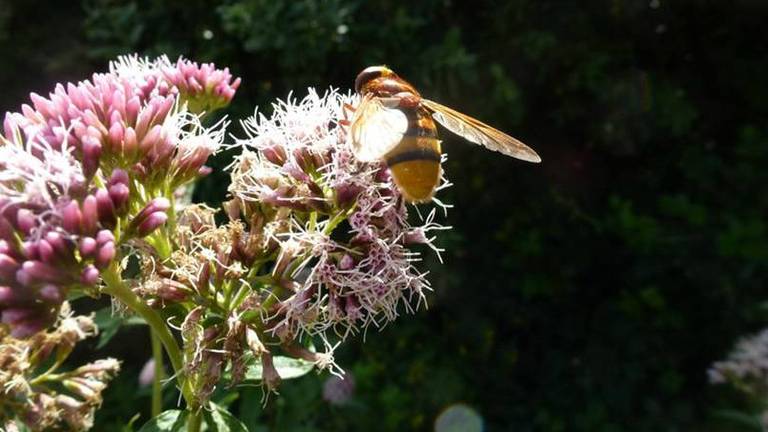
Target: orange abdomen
column 415, row 162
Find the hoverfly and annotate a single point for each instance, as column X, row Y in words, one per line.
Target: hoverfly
column 395, row 124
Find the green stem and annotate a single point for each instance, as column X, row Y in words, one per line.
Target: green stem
column 157, row 383
column 116, row 288
column 194, row 420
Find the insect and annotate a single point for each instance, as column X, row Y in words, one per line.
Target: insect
column 395, row 124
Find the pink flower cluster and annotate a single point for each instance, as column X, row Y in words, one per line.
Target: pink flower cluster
column 76, row 166
column 337, row 278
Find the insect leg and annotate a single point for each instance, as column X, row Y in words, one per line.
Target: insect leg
column 346, row 109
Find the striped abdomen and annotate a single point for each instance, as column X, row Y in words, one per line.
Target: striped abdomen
column 415, row 162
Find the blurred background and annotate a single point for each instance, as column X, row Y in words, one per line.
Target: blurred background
column 588, row 293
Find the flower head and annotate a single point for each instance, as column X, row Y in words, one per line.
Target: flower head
column 56, row 399
column 77, row 165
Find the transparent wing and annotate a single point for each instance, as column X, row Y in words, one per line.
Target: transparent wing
column 376, row 128
column 478, row 132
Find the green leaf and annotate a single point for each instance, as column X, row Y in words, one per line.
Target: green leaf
column 287, row 367
column 220, row 420
column 167, row 421
column 110, row 323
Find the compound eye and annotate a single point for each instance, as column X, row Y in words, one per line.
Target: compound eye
column 368, row 74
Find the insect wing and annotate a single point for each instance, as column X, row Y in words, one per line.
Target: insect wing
column 376, row 128
column 478, row 132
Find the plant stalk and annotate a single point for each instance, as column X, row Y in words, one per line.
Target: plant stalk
column 157, row 382
column 117, row 288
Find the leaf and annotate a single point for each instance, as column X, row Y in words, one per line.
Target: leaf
column 167, row 421
column 220, row 420
column 287, row 367
column 110, row 323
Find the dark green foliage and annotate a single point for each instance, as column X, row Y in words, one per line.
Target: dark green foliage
column 587, row 293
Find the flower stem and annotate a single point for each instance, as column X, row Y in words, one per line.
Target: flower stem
column 194, row 420
column 157, row 382
column 116, row 288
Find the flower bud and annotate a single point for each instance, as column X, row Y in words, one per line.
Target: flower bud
column 105, row 255
column 118, row 176
column 119, row 194
column 100, row 369
column 151, row 223
column 72, row 217
column 38, row 272
column 346, row 194
column 275, row 154
column 87, row 388
column 45, row 252
column 104, row 236
column 6, row 295
column 91, row 154
column 156, row 205
column 50, row 293
column 106, row 208
column 25, row 220
column 87, row 247
column 89, row 275
column 8, row 267
column 90, row 214
column 269, row 375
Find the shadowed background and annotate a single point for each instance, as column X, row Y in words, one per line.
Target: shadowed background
column 587, row 293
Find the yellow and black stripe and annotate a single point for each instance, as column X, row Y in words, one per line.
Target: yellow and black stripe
column 415, row 162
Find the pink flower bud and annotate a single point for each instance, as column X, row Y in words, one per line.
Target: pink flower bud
column 90, row 275
column 87, row 246
column 25, row 220
column 116, row 134
column 157, row 205
column 30, row 250
column 61, row 246
column 151, row 223
column 45, row 252
column 131, row 143
column 106, row 208
column 71, row 217
column 24, row 322
column 275, row 154
column 105, row 255
column 346, row 194
column 152, row 139
column 8, row 267
column 6, row 295
column 91, row 155
column 90, row 214
column 104, row 236
column 38, row 271
column 118, row 177
column 50, row 293
column 119, row 194
column 6, row 229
